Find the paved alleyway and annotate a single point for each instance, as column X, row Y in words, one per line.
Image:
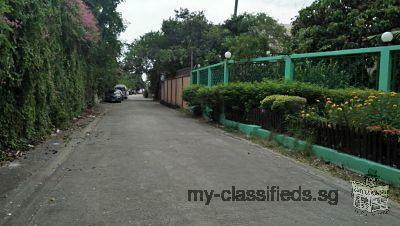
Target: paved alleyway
column 138, row 163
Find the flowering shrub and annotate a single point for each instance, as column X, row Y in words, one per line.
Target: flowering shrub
column 247, row 96
column 375, row 112
column 86, row 19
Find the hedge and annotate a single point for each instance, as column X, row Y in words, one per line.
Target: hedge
column 247, row 96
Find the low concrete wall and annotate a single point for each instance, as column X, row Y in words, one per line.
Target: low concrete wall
column 352, row 163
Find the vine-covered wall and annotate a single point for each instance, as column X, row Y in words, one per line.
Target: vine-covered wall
column 48, row 67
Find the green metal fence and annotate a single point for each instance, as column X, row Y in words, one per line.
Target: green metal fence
column 193, row 78
column 203, row 77
column 396, row 71
column 375, row 67
column 254, row 71
column 217, row 74
column 358, row 70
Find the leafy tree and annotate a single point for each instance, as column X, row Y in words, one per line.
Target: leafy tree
column 166, row 51
column 255, row 35
column 108, row 49
column 170, row 49
column 334, row 25
column 134, row 82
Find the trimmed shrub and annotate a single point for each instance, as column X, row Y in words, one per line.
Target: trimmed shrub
column 190, row 95
column 284, row 104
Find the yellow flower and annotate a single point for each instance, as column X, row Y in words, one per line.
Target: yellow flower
column 346, row 102
column 340, row 109
column 395, row 105
column 359, row 105
column 307, row 115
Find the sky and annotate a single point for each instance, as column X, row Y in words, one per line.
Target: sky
column 142, row 16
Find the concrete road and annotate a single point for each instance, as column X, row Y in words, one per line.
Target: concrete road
column 137, row 164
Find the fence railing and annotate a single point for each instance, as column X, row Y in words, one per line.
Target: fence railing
column 376, row 146
column 375, row 67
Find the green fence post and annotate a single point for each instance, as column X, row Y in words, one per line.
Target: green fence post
column 198, row 77
column 209, row 77
column 385, row 70
column 226, row 72
column 289, row 69
column 191, row 77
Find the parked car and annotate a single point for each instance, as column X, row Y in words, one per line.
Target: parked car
column 114, row 96
column 123, row 89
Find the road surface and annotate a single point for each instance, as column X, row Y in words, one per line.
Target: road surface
column 138, row 162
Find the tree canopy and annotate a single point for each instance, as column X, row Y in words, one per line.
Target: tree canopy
column 345, row 24
column 190, row 33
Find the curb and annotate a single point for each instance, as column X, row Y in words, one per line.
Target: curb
column 362, row 166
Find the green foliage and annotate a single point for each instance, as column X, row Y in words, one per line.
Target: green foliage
column 382, row 110
column 330, row 75
column 134, row 82
column 334, row 25
column 190, row 95
column 284, row 104
column 254, row 35
column 246, row 96
column 166, row 51
column 49, row 72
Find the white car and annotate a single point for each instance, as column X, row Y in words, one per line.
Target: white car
column 123, row 89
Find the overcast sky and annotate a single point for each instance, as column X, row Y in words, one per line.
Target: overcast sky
column 142, row 16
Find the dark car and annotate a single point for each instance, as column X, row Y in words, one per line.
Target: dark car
column 113, row 96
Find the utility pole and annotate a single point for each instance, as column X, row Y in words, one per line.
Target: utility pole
column 191, row 58
column 236, row 8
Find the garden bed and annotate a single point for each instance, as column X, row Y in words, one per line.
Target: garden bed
column 378, row 146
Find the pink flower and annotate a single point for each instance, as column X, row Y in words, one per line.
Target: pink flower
column 11, row 23
column 87, row 19
column 374, row 128
column 393, row 131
